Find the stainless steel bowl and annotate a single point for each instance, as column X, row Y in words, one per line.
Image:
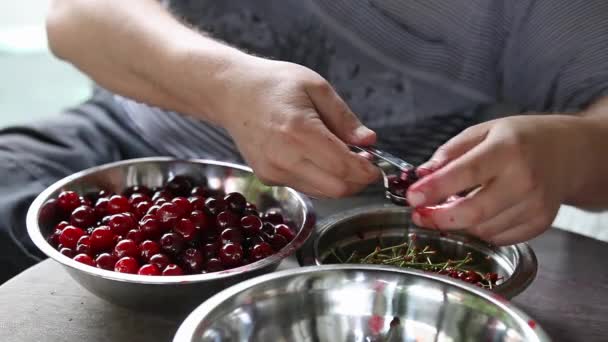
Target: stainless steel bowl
column 360, row 229
column 356, row 303
column 177, row 293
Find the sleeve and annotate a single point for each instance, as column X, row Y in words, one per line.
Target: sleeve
column 556, row 56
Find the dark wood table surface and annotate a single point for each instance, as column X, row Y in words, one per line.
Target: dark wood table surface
column 568, row 298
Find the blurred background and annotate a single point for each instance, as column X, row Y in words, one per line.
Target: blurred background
column 33, row 84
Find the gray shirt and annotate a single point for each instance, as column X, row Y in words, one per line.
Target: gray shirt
column 415, row 71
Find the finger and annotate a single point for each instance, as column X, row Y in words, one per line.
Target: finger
column 337, row 116
column 327, row 151
column 455, row 147
column 491, row 200
column 521, row 232
column 509, row 218
column 476, row 167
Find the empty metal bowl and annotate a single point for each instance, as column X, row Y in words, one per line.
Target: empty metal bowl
column 361, row 229
column 173, row 293
column 349, row 303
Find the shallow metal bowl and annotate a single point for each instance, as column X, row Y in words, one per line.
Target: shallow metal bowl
column 356, row 303
column 177, row 293
column 360, row 229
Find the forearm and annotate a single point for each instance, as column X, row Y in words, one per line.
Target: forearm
column 139, row 50
column 592, row 193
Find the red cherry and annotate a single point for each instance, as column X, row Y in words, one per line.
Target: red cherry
column 276, row 241
column 192, row 260
column 161, row 194
column 141, row 208
column 171, row 243
column 135, row 235
column 50, row 212
column 153, row 210
column 118, row 204
column 101, row 207
column 136, row 189
column 214, row 205
column 236, row 201
column 121, row 224
column 197, row 202
column 149, row 270
column 226, row 219
column 138, row 198
column 67, row 252
column 183, row 205
column 150, row 227
column 252, row 241
column 69, row 236
column 127, row 265
column 231, row 235
column 199, row 191
column 180, row 185
column 160, row 260
column 273, row 216
column 210, row 250
column 126, row 248
column 148, row 248
column 67, row 201
column 251, row 225
column 102, row 238
column 201, row 220
column 168, row 214
column 186, row 229
column 85, row 259
column 261, row 251
column 172, row 270
column 85, row 202
column 213, row 265
column 106, row 261
column 231, row 255
column 285, row 231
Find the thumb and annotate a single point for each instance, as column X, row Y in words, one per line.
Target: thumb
column 337, row 116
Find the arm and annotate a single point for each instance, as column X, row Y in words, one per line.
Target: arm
column 287, row 121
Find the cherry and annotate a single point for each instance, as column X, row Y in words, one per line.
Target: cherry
column 171, row 243
column 84, row 246
column 67, row 252
column 285, row 231
column 104, row 193
column 231, row 235
column 251, row 206
column 49, row 212
column 127, row 265
column 160, row 260
column 150, row 227
column 268, row 228
column 210, row 249
column 141, row 209
column 106, row 261
column 192, row 260
column 138, row 198
column 231, row 254
column 180, row 185
column 214, row 205
column 398, row 186
column 161, row 194
column 251, row 212
column 160, row 201
column 273, row 216
column 197, row 202
column 118, row 204
column 126, row 248
column 121, row 224
column 149, row 270
column 136, row 235
column 186, row 229
column 173, row 270
column 83, row 216
column 101, row 207
column 261, row 251
column 252, row 241
column 199, row 191
column 85, row 201
column 136, row 189
column 227, row 219
column 201, row 220
column 251, row 225
column 168, row 213
column 213, row 265
column 148, row 248
column 67, row 201
column 276, row 241
column 85, row 259
column 183, row 205
column 69, row 236
column 472, row 277
column 493, row 277
column 236, row 202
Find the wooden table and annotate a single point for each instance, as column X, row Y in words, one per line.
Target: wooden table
column 569, row 298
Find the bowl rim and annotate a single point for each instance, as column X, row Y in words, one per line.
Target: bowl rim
column 188, row 328
column 524, row 272
column 41, row 242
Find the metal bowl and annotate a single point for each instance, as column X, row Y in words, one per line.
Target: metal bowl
column 360, row 229
column 179, row 293
column 356, row 303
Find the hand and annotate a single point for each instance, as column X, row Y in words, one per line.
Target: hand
column 292, row 129
column 525, row 166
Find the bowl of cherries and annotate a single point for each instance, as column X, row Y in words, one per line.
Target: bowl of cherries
column 163, row 234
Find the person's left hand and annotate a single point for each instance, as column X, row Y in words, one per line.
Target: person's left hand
column 525, row 166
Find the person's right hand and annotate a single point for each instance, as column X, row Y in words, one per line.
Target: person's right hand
column 292, row 128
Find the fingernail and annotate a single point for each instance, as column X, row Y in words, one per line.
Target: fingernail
column 362, row 133
column 416, row 198
column 423, row 171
